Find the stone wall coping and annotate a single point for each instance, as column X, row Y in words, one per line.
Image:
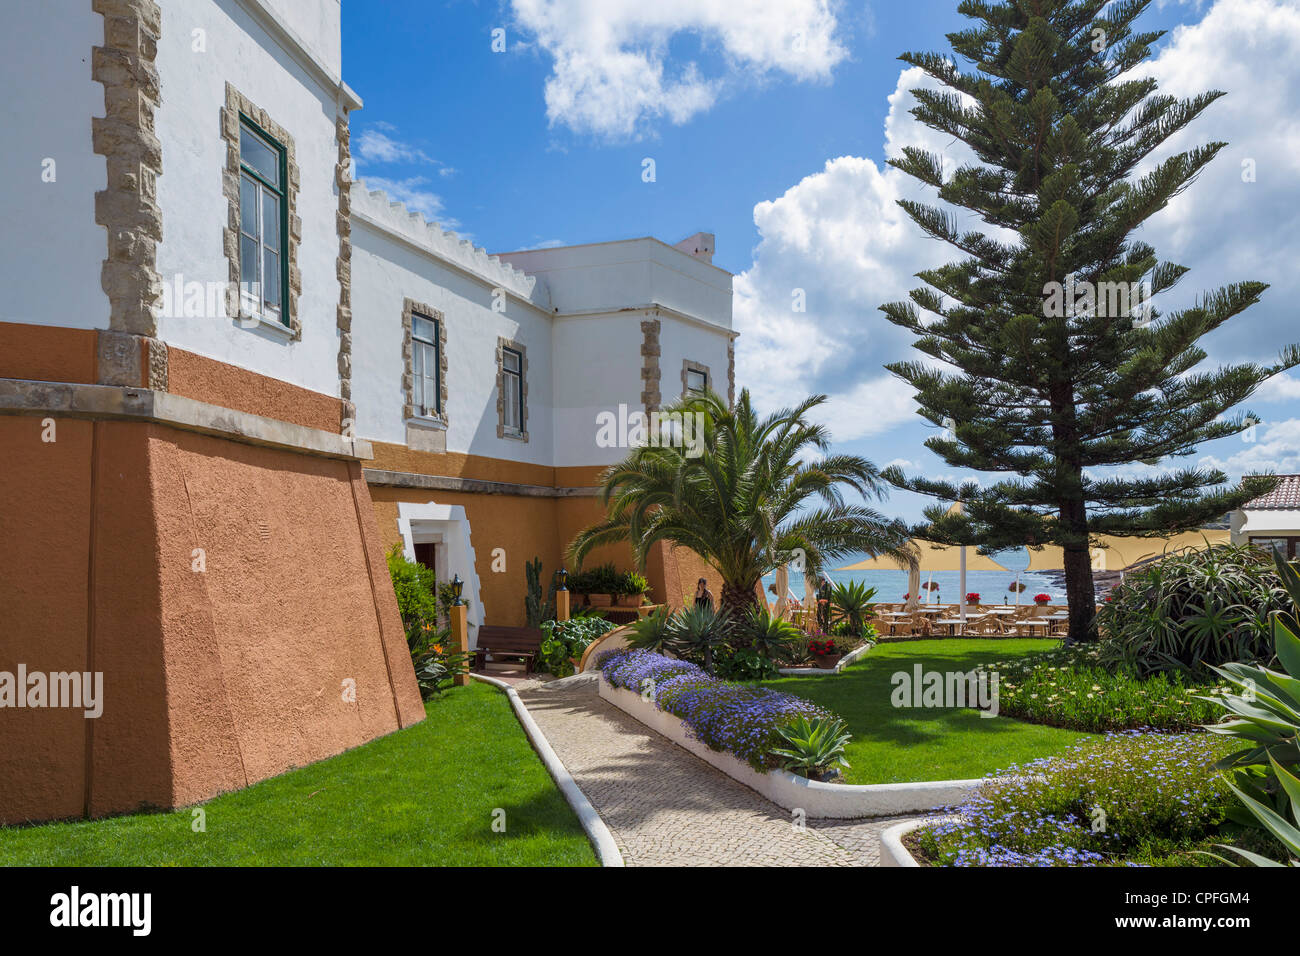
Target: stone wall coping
column 408, row 479
column 68, row 400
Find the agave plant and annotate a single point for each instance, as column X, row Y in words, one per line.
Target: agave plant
column 1266, row 714
column 1193, row 610
column 653, row 632
column 851, row 601
column 695, row 632
column 813, row 747
column 768, row 635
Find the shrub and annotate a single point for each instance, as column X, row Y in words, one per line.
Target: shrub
column 562, row 640
column 696, row 632
column 1071, row 687
column 768, row 635
column 630, row 582
column 420, row 601
column 739, row 719
column 653, row 632
column 1266, row 717
column 1193, row 610
column 1126, row 798
column 813, row 748
column 603, row 579
column 744, row 664
column 416, row 588
column 851, row 602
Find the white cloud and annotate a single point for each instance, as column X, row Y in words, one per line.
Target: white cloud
column 839, row 236
column 413, row 193
column 1279, row 388
column 613, row 73
column 379, row 147
column 1276, row 449
column 1226, row 229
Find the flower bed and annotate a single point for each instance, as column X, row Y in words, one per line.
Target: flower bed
column 1072, row 688
column 739, row 719
column 1128, row 799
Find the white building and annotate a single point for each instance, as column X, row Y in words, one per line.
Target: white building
column 230, row 379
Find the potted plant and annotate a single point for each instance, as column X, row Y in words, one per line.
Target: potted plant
column 632, row 588
column 973, row 597
column 1041, row 599
column 604, row 584
column 826, row 652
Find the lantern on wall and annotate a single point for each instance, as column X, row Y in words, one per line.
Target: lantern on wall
column 457, row 585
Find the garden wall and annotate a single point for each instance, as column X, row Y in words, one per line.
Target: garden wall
column 275, row 645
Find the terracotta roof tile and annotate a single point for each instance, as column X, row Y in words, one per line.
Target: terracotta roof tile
column 1285, row 495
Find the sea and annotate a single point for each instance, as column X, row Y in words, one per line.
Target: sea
column 993, row 587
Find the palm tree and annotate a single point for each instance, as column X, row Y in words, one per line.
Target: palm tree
column 749, row 496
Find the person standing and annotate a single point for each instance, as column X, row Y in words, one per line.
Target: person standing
column 703, row 596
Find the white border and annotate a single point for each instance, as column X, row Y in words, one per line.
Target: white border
column 602, row 840
column 460, row 549
column 818, row 800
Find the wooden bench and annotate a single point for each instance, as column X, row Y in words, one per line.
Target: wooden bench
column 517, row 643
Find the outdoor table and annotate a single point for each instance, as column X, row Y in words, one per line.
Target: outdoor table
column 952, row 622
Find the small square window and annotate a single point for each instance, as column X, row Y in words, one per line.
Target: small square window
column 697, row 382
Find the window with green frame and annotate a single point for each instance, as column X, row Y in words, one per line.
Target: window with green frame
column 426, row 365
column 263, row 225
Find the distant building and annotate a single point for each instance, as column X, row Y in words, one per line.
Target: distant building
column 1272, row 520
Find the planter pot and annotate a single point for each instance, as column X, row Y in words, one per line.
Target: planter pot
column 600, row 600
column 827, row 661
column 628, row 600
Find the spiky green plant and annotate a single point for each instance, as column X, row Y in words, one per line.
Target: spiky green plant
column 813, row 747
column 851, row 601
column 697, row 631
column 767, row 635
column 652, row 632
column 1266, row 714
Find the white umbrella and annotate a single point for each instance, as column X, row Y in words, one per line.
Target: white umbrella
column 913, row 588
column 961, row 588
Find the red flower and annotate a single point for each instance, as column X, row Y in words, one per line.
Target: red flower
column 973, row 597
column 1042, row 598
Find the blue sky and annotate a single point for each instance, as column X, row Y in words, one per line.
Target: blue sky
column 771, row 130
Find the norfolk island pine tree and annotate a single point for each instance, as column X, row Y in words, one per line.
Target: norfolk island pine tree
column 1044, row 394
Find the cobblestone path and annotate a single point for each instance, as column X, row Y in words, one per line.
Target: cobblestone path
column 666, row 807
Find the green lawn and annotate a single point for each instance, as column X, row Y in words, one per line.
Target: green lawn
column 421, row 796
column 898, row 745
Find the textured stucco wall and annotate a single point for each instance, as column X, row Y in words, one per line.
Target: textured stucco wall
column 44, row 529
column 48, row 353
column 218, row 383
column 213, row 679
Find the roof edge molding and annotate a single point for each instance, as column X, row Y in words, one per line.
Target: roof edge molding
column 374, row 207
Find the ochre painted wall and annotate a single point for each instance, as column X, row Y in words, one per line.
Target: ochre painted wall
column 44, row 533
column 213, row 679
column 219, row 383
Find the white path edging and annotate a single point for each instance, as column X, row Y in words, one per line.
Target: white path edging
column 842, row 663
column 892, row 850
column 602, row 840
column 818, row 800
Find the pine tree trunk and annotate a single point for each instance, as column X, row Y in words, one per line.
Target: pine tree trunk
column 1080, row 593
